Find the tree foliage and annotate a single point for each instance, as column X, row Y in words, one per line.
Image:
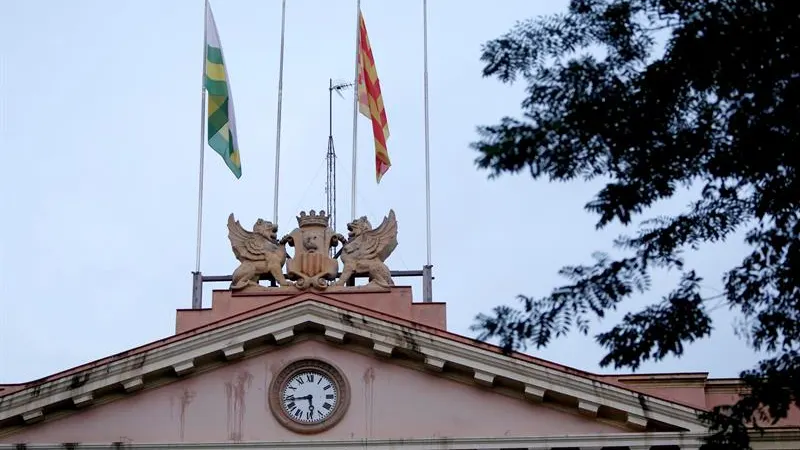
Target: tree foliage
column 651, row 96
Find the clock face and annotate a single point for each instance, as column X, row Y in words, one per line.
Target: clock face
column 309, row 396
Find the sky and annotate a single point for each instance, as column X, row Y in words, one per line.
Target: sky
column 99, row 133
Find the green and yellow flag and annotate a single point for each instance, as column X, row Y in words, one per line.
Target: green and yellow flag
column 221, row 120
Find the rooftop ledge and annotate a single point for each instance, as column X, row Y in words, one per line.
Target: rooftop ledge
column 396, row 301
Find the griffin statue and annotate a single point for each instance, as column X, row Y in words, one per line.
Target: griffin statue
column 366, row 250
column 259, row 253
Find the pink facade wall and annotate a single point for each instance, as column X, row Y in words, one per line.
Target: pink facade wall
column 687, row 395
column 387, row 401
column 396, row 302
column 730, row 397
column 697, row 390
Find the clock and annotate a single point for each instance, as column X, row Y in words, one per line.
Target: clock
column 309, row 396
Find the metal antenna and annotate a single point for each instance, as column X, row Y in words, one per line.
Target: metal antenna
column 330, row 184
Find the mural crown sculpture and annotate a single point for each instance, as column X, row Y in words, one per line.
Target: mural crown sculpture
column 313, row 219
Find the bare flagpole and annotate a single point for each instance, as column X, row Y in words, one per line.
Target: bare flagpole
column 427, row 281
column 278, row 132
column 355, row 114
column 197, row 278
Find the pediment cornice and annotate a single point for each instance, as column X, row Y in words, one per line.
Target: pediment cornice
column 182, row 357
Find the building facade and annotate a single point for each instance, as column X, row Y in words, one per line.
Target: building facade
column 351, row 367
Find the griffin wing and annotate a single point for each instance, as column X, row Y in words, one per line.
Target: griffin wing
column 245, row 244
column 381, row 242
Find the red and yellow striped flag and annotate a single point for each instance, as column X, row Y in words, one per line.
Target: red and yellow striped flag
column 370, row 101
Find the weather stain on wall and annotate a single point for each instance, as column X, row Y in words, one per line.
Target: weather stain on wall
column 369, row 399
column 235, row 391
column 269, row 374
column 186, row 399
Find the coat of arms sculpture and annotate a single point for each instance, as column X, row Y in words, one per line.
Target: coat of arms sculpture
column 312, row 264
column 363, row 253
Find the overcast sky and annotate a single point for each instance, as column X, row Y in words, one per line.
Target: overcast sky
column 99, row 124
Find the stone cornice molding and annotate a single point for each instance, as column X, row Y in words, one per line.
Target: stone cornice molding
column 635, row 440
column 180, row 358
column 131, row 369
column 530, row 374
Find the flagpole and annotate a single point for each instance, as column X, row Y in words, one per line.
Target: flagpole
column 355, row 115
column 427, row 275
column 196, row 276
column 278, row 132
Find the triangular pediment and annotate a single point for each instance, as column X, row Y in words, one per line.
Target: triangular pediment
column 417, row 359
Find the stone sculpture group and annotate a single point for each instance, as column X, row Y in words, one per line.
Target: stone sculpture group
column 363, row 252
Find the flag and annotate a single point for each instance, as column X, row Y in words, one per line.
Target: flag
column 221, row 120
column 370, row 101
